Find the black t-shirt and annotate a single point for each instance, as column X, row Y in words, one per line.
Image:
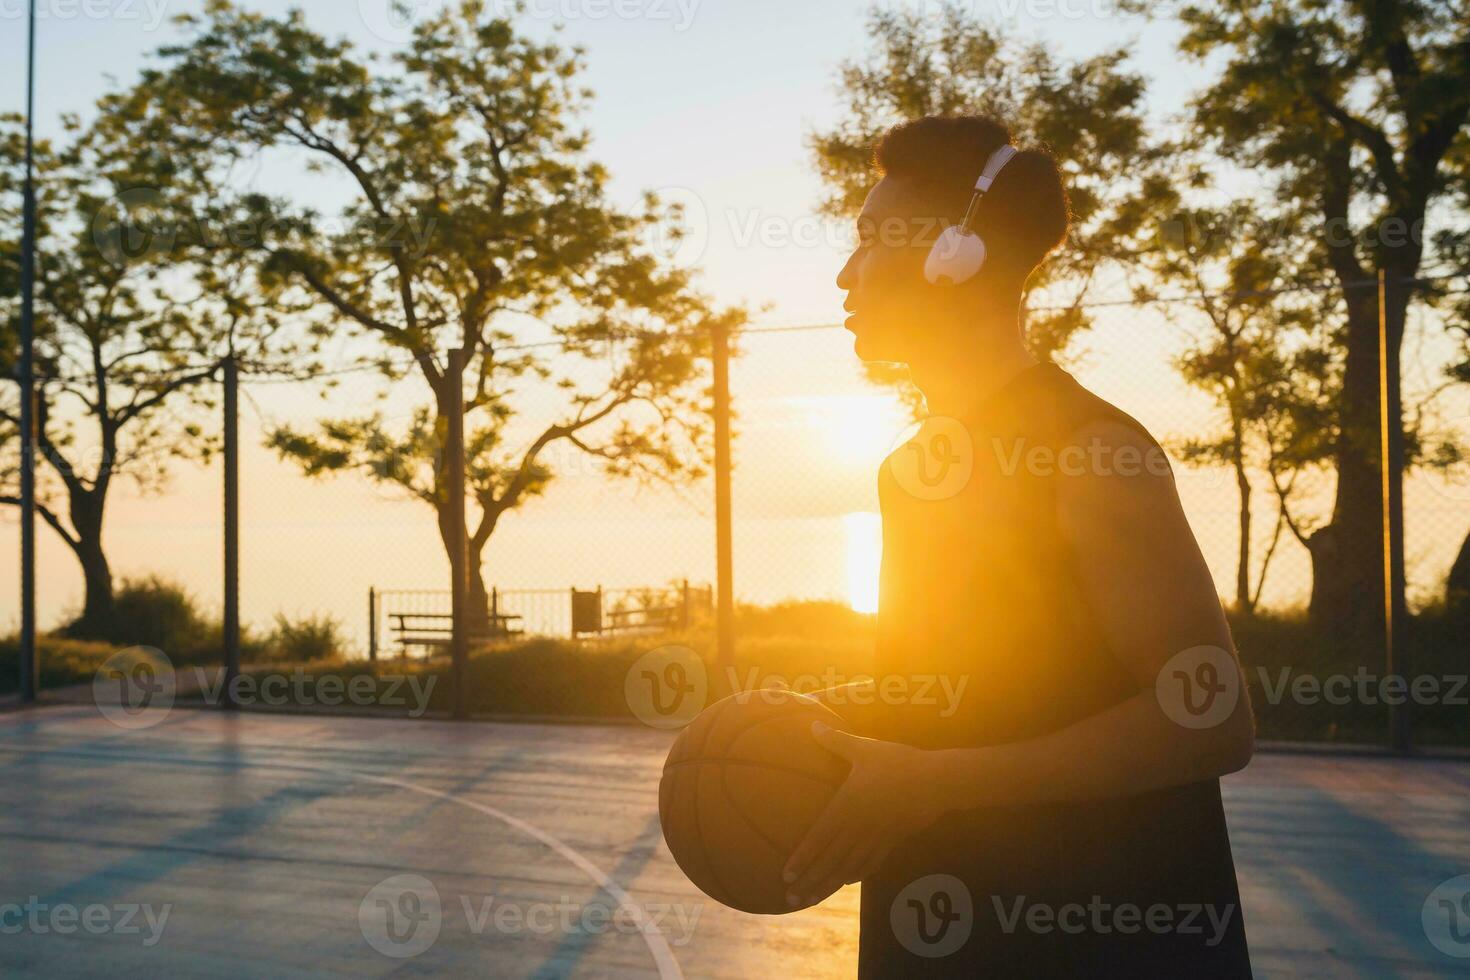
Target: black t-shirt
column 979, row 589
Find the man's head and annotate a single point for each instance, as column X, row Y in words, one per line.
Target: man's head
column 927, row 170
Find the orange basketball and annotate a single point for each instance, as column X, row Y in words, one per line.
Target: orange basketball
column 740, row 789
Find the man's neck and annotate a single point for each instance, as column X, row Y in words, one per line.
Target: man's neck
column 961, row 379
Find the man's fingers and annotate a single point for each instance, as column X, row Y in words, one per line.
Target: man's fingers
column 838, row 742
column 859, row 858
column 818, row 839
column 875, row 860
column 825, row 864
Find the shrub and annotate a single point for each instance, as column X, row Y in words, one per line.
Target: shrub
column 63, row 661
column 305, row 639
column 156, row 613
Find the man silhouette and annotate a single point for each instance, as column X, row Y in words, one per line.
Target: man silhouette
column 1074, row 795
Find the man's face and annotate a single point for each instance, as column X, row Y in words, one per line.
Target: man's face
column 887, row 293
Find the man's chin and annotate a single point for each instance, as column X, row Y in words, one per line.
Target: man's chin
column 869, row 348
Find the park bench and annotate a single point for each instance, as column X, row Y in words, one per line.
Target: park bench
column 436, row 630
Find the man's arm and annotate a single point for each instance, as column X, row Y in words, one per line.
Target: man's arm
column 1143, row 574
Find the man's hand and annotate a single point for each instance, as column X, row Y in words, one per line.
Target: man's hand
column 888, row 795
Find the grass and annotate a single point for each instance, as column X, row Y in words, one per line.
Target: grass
column 811, row 645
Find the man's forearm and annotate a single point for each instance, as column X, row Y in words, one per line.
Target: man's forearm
column 1132, row 748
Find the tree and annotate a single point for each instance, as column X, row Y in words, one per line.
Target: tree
column 1358, row 112
column 1090, row 113
column 474, row 214
column 1264, row 353
column 129, row 332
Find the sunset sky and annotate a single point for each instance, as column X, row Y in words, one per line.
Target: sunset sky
column 709, row 102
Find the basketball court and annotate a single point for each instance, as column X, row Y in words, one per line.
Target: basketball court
column 292, row 846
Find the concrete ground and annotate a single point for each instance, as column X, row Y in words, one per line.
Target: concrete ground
column 287, row 846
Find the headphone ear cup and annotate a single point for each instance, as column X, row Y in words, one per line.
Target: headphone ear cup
column 955, row 258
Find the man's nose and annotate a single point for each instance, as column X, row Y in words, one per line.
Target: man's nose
column 847, row 276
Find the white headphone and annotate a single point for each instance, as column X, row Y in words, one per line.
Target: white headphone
column 959, row 253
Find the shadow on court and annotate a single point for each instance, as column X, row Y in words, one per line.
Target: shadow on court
column 253, row 845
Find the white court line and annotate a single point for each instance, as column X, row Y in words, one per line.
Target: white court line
column 663, row 956
column 658, row 946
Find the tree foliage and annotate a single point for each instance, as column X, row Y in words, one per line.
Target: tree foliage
column 475, row 220
column 131, row 324
column 1090, row 113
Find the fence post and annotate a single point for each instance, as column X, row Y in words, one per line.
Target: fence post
column 684, row 604
column 495, row 610
column 724, row 560
column 372, row 624
column 1391, row 463
column 232, row 528
column 29, row 679
column 459, row 549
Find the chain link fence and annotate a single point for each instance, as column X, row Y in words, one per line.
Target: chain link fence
column 363, row 561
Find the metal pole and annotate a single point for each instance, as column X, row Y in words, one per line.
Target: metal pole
column 232, row 528
column 1395, row 612
column 458, row 546
column 724, row 546
column 372, row 624
column 29, row 667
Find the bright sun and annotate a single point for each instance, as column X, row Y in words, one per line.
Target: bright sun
column 863, row 533
column 860, row 428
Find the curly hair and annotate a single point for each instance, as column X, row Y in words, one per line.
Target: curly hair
column 1026, row 214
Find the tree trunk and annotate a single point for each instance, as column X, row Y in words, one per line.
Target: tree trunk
column 1457, row 588
column 96, row 618
column 1243, row 603
column 1347, row 554
column 479, row 596
column 95, row 622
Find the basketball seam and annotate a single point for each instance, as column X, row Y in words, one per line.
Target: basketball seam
column 730, row 800
column 711, row 865
column 735, row 805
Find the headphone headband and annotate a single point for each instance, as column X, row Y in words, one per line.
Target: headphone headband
column 993, row 167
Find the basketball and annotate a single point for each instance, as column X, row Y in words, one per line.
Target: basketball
column 741, row 787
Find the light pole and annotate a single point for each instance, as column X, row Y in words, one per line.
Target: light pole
column 28, row 662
